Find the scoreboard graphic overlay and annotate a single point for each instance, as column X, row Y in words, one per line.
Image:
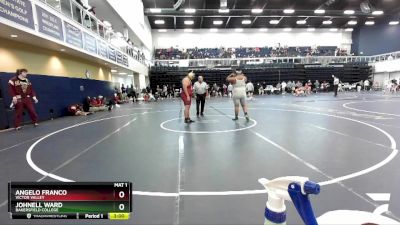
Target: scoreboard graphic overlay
column 77, row 200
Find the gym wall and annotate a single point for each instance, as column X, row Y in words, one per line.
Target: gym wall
column 14, row 55
column 377, row 39
column 203, row 38
column 58, row 79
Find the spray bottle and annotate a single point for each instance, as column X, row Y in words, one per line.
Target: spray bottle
column 295, row 189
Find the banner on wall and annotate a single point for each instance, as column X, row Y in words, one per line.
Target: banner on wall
column 120, row 59
column 49, row 24
column 90, row 43
column 112, row 54
column 73, row 35
column 102, row 49
column 125, row 61
column 17, row 11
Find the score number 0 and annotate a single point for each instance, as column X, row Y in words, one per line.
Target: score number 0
column 121, row 206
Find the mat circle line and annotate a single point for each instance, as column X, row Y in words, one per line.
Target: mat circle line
column 392, row 155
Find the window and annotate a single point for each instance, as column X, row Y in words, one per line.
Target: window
column 66, row 8
column 94, row 24
column 55, row 4
column 77, row 13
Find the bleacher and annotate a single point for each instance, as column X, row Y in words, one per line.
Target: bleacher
column 271, row 74
column 241, row 52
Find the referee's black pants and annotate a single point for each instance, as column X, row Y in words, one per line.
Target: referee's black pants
column 200, row 99
column 335, row 89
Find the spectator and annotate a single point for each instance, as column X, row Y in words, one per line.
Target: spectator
column 116, row 99
column 164, row 91
column 307, row 88
column 97, row 104
column 230, row 88
column 86, row 104
column 278, row 88
column 123, row 89
column 132, row 93
column 260, row 89
column 316, row 86
column 290, row 86
column 225, row 90
column 77, row 110
column 366, row 85
column 283, row 85
column 299, row 91
column 250, row 89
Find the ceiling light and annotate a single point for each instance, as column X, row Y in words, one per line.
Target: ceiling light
column 349, row 12
column 188, row 30
column 349, row 29
column 190, row 10
column 287, row 29
column 263, row 29
column 130, row 75
column 213, row 30
column 288, row 11
column 319, row 11
column 63, row 50
column 369, row 23
column 256, row 10
column 394, row 23
column 218, row 22
column 327, row 22
column 246, row 21
column 159, row 22
column 189, row 22
column 311, row 29
column 13, row 35
column 114, row 71
column 162, row 30
column 377, row 12
column 352, row 22
column 122, row 73
column 333, row 29
column 239, row 29
column 223, row 10
column 301, row 22
column 155, row 10
column 274, row 21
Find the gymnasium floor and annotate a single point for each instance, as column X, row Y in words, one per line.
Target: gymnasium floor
column 185, row 174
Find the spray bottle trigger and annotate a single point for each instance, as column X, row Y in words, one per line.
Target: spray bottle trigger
column 302, row 202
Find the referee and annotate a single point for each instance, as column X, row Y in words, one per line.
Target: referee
column 335, row 84
column 201, row 91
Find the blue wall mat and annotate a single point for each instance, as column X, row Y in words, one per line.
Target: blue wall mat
column 56, row 93
column 377, row 39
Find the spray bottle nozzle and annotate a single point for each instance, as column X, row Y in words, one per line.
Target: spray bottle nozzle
column 311, row 188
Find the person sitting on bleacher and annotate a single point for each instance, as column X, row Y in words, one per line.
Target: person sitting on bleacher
column 77, row 110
